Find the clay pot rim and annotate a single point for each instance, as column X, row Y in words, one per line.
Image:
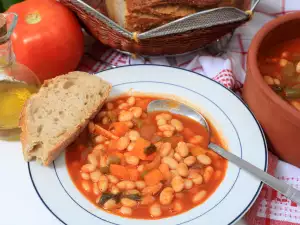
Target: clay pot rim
column 286, row 109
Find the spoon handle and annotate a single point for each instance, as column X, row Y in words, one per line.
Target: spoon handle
column 287, row 190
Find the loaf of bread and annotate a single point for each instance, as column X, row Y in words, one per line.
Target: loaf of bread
column 143, row 15
column 54, row 117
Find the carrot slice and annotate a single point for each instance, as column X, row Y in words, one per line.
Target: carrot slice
column 119, row 128
column 112, row 145
column 139, row 148
column 198, row 151
column 133, row 174
column 101, row 131
column 119, row 171
column 175, row 140
column 154, row 164
column 187, row 133
column 153, row 177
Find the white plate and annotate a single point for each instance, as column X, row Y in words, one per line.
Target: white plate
column 226, row 111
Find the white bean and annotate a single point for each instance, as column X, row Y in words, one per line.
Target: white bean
column 126, row 185
column 123, row 106
column 161, row 122
column 188, row 184
column 128, row 202
column 182, row 170
column 126, row 211
column 110, row 204
column 182, row 149
column 177, row 206
column 114, row 190
column 166, row 196
column 298, row 67
column 136, row 111
column 177, row 184
column 190, row 160
column 88, row 168
column 91, row 127
column 199, row 196
column 131, row 101
column 129, row 124
column 105, row 120
column 204, row 159
column 140, row 184
column 123, row 143
column 196, row 178
column 168, row 133
column 112, row 179
column 99, row 139
column 165, row 149
column 207, row 175
column 130, row 146
column 92, row 159
column 141, row 168
column 86, row 186
column 177, row 124
column 95, row 176
column 96, row 189
column 166, row 127
column 177, row 157
column 197, row 139
column 155, row 210
column 103, row 183
column 164, row 116
column 133, row 135
column 125, row 116
column 132, row 160
column 170, row 162
column 85, row 176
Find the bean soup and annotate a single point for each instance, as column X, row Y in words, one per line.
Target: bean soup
column 280, row 67
column 144, row 165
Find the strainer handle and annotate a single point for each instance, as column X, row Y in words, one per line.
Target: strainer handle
column 254, row 4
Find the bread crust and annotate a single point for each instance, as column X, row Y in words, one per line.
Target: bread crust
column 68, row 138
column 133, row 5
column 143, row 15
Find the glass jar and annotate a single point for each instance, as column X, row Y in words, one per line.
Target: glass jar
column 17, row 82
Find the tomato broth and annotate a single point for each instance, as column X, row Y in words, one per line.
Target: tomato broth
column 144, row 165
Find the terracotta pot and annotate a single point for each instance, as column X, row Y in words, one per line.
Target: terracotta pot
column 280, row 121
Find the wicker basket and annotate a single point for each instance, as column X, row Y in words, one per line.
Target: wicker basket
column 171, row 44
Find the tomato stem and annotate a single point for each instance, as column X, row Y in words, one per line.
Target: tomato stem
column 33, row 18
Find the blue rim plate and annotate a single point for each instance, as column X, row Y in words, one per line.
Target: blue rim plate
column 234, row 121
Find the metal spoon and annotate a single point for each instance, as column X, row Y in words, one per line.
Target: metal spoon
column 182, row 109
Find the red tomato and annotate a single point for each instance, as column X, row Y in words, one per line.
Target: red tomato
column 48, row 38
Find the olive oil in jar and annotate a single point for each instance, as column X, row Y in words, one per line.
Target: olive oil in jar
column 13, row 96
column 17, row 82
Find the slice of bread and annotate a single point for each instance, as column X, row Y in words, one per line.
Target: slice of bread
column 141, row 15
column 55, row 116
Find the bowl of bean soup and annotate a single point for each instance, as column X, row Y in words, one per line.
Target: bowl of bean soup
column 130, row 166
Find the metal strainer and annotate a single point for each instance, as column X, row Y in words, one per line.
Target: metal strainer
column 200, row 20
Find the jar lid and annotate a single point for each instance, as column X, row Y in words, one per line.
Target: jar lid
column 3, row 29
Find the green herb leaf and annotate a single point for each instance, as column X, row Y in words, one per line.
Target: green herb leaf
column 150, row 149
column 105, row 197
column 144, row 173
column 135, row 197
column 104, row 169
column 138, row 122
